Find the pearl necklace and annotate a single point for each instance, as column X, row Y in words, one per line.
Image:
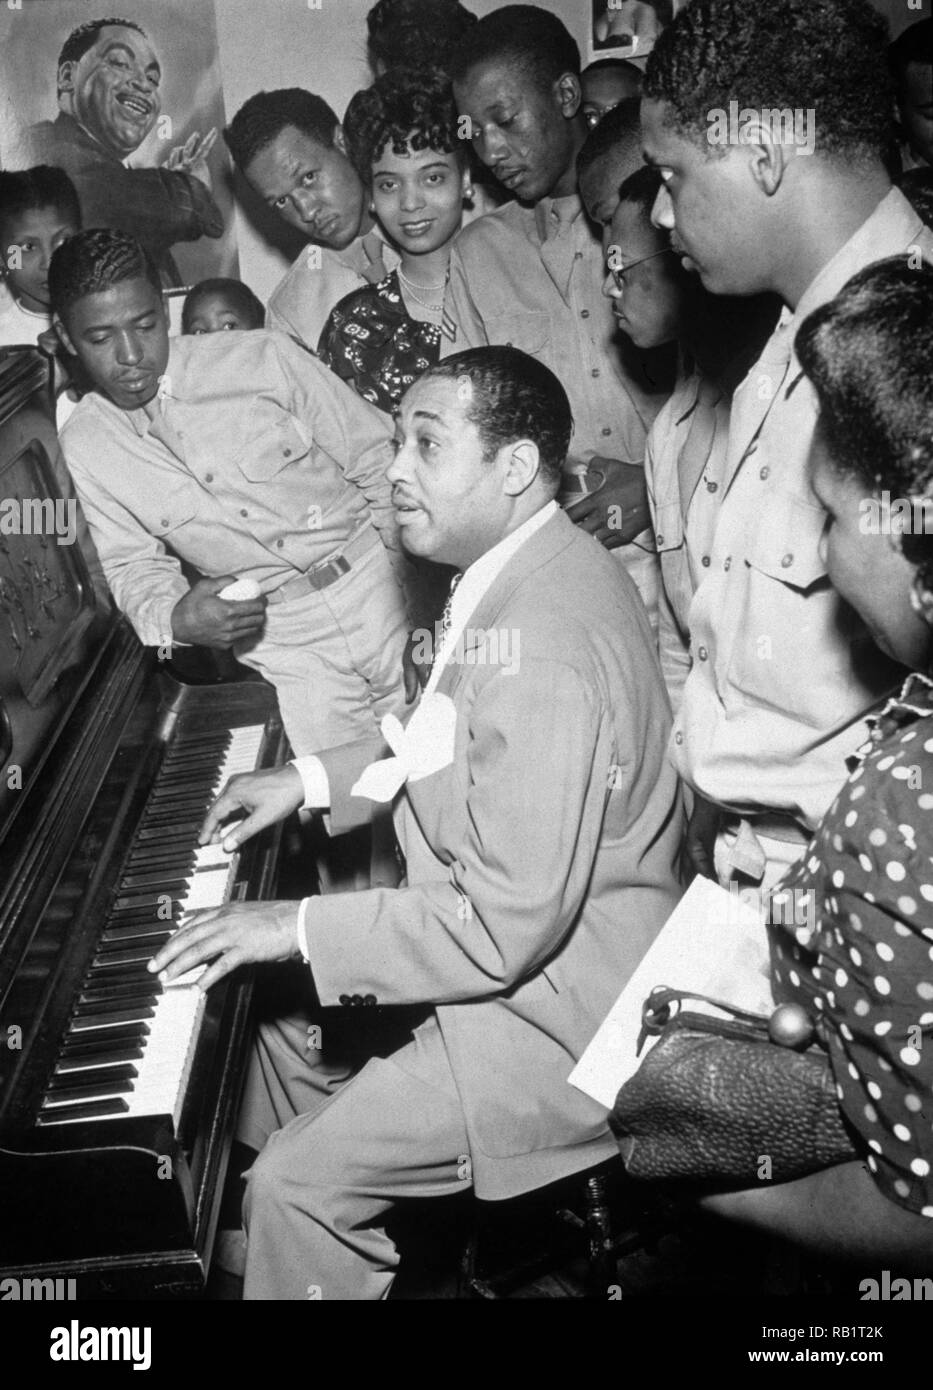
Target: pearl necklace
column 412, row 290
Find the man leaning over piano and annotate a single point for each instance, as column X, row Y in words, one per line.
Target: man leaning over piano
column 242, row 455
column 539, row 819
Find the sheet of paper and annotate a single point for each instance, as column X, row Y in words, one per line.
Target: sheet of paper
column 713, row 943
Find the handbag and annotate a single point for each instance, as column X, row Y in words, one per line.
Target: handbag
column 721, row 1101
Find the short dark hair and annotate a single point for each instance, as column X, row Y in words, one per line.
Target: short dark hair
column 514, row 397
column 42, row 186
column 401, row 104
column 917, row 187
column 619, row 126
column 262, row 118
column 96, row 260
column 641, row 188
column 778, row 54
column 869, row 354
column 615, row 65
column 416, row 33
column 522, row 35
column 82, row 39
column 240, row 295
column 914, row 45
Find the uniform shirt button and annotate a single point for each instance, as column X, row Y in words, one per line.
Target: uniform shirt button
column 659, row 539
column 369, row 999
column 280, row 543
column 164, row 521
column 208, row 477
column 584, row 313
column 595, row 371
column 243, row 512
column 344, row 999
column 712, row 487
column 727, row 563
column 786, row 561
column 705, row 562
column 287, row 453
column 702, row 653
column 606, row 431
column 763, row 473
column 678, row 739
column 578, row 255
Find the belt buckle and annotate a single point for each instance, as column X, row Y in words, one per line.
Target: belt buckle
column 327, row 572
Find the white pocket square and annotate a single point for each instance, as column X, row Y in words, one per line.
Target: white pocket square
column 425, row 746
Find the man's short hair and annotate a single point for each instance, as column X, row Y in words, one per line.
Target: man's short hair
column 642, row 188
column 416, row 33
column 620, row 67
column 620, row 126
column 262, row 118
column 514, row 397
column 917, row 187
column 93, row 261
column 42, row 186
column 82, row 39
column 802, row 55
column 869, row 354
column 403, row 107
column 524, row 36
column 914, row 45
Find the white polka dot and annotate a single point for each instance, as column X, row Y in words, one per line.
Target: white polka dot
column 872, row 1163
column 885, row 763
column 858, row 792
column 925, row 1020
column 839, row 878
column 840, row 1093
column 869, row 897
column 920, row 1167
column 817, row 1002
column 907, row 905
column 913, row 1102
column 865, row 862
column 794, row 978
column 925, row 802
column 873, row 1144
column 853, row 1072
column 884, row 1065
column 862, row 1007
column 837, row 843
column 925, row 990
column 902, row 1132
column 882, row 1029
column 901, row 930
column 855, row 922
column 850, row 819
column 926, row 891
column 842, row 978
column 855, row 956
column 901, row 773
column 881, row 985
column 846, row 1031
column 877, row 837
column 895, row 870
column 928, row 746
column 871, row 1114
column 910, row 1056
column 884, row 950
column 874, row 1090
column 926, row 1211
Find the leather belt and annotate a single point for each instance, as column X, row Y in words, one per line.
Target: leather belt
column 327, row 571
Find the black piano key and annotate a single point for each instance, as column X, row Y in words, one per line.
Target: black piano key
column 99, row 1077
column 91, row 1110
column 98, row 1022
column 104, row 1007
column 75, row 1092
column 143, row 948
column 110, row 990
column 78, row 1059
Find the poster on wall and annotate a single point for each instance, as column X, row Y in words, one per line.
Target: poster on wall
column 628, row 28
column 132, row 111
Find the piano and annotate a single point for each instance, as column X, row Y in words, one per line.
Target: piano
column 117, row 1095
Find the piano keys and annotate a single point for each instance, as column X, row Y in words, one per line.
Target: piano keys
column 117, row 1094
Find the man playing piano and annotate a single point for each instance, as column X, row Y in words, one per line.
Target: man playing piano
column 539, row 819
column 240, row 454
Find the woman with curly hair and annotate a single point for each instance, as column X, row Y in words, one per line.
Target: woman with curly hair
column 402, row 137
column 862, row 966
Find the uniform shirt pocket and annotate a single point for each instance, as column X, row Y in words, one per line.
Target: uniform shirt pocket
column 275, row 443
column 530, row 331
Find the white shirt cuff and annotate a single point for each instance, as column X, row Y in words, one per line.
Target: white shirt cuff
column 315, row 781
column 301, row 929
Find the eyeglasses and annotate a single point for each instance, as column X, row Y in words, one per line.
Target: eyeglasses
column 619, row 275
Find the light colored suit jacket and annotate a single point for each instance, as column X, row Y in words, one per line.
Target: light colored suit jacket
column 540, row 861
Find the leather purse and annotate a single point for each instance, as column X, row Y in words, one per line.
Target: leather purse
column 720, row 1102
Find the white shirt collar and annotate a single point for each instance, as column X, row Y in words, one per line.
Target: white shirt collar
column 476, row 582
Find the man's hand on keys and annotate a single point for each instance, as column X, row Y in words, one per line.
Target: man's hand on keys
column 266, row 797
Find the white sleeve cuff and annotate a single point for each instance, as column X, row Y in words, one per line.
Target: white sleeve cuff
column 315, row 781
column 301, row 929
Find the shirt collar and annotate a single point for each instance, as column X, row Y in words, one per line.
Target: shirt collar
column 552, row 215
column 478, row 580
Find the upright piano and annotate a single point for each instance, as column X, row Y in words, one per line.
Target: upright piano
column 117, row 1095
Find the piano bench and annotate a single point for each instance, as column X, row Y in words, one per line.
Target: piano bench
column 570, row 1235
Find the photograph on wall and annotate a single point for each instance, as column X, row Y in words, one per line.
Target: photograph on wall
column 132, row 112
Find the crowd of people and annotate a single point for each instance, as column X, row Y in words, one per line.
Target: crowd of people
column 556, row 460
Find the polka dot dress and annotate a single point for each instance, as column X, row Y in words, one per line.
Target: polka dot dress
column 852, row 941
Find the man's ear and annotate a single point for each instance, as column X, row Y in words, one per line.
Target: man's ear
column 569, row 94
column 522, row 464
column 66, row 76
column 62, row 332
column 768, row 159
